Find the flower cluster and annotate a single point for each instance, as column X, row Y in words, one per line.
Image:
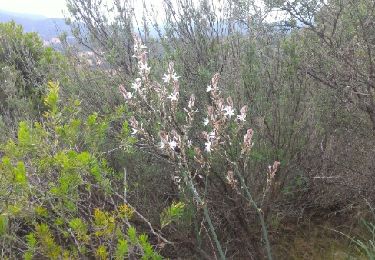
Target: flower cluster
column 171, row 75
column 272, row 172
column 242, row 116
column 247, row 141
column 158, row 104
column 170, row 142
column 141, row 54
column 164, row 123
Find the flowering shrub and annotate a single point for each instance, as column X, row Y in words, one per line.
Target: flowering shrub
column 166, row 124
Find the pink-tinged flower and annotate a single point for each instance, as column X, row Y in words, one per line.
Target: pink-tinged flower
column 191, row 101
column 171, row 67
column 272, row 172
column 247, row 144
column 229, row 101
column 248, row 136
column 135, row 125
column 163, row 139
column 243, row 110
column 231, row 179
column 207, row 147
column 122, row 89
column 127, row 95
column 215, row 80
column 274, row 167
column 210, row 111
column 229, row 111
column 242, row 116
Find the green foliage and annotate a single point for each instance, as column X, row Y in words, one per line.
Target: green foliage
column 147, row 249
column 102, row 252
column 132, row 235
column 142, row 241
column 26, row 65
column 3, row 224
column 172, row 213
column 20, row 173
column 48, row 245
column 366, row 246
column 79, row 228
column 49, row 173
column 31, row 246
column 51, row 99
column 122, row 249
column 63, row 192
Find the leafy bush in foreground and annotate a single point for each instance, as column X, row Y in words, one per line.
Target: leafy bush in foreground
column 58, row 197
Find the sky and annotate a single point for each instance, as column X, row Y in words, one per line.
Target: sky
column 57, row 8
column 52, row 8
column 48, row 8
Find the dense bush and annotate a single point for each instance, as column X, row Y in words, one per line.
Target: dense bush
column 59, row 197
column 186, row 157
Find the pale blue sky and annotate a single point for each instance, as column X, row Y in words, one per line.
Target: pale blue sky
column 48, row 8
column 57, row 8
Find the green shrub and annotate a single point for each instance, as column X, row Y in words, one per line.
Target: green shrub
column 58, row 195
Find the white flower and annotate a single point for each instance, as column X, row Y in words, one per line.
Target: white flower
column 229, row 111
column 212, row 135
column 138, row 47
column 172, row 144
column 208, row 146
column 206, row 121
column 126, row 94
column 137, row 84
column 177, row 179
column 167, row 78
column 175, row 77
column 173, row 97
column 241, row 117
column 209, row 88
column 134, row 131
column 129, row 95
column 162, row 145
column 143, row 68
column 189, row 143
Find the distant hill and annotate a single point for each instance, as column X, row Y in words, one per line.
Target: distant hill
column 47, row 28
